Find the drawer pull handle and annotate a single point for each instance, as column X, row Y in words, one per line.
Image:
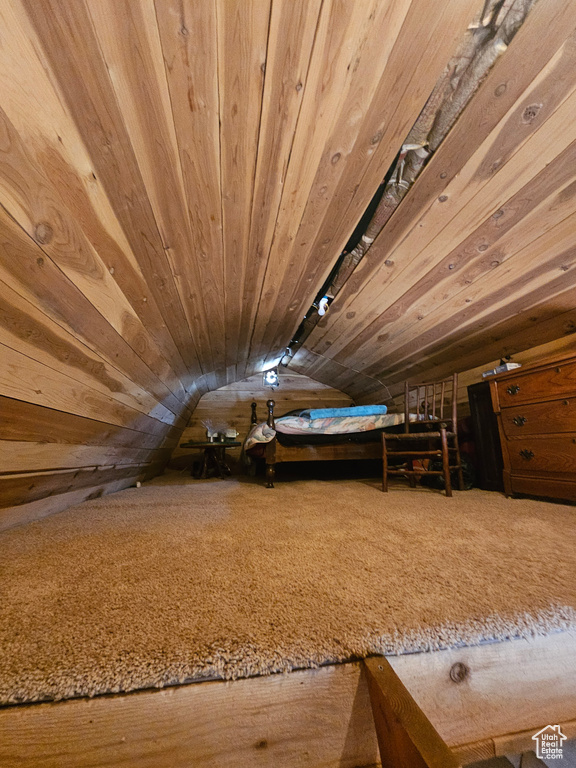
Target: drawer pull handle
column 519, row 420
column 565, row 402
column 527, row 454
column 513, row 389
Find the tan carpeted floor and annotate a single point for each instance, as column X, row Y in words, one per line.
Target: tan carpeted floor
column 181, row 579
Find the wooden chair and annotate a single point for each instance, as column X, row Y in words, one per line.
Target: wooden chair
column 431, row 435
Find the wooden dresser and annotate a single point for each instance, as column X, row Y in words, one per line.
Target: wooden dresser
column 536, row 410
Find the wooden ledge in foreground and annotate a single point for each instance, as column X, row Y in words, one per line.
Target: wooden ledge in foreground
column 451, row 708
column 455, row 707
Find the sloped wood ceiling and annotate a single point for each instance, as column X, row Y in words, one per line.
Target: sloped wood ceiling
column 178, row 177
column 479, row 259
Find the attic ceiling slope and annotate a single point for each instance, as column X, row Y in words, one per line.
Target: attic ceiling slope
column 478, row 260
column 236, row 143
column 177, row 179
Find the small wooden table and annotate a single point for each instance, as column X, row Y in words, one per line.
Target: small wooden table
column 214, row 459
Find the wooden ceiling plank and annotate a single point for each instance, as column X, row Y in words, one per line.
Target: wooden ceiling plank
column 24, row 327
column 291, row 379
column 356, row 385
column 188, row 38
column 243, row 31
column 329, row 372
column 509, row 83
column 35, row 423
column 29, row 197
column 317, row 238
column 21, row 376
column 530, row 306
column 498, row 307
column 477, row 192
column 31, row 273
column 550, row 322
column 65, row 32
column 290, row 40
column 390, row 111
column 342, row 33
column 418, row 256
column 538, row 276
column 125, row 270
column 41, row 145
column 535, row 266
column 535, row 209
column 367, row 56
column 128, row 37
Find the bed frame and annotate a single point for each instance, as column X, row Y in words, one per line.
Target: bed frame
column 276, row 453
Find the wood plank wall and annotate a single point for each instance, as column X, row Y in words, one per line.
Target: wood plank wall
column 177, row 179
column 231, row 405
column 170, row 175
column 92, row 386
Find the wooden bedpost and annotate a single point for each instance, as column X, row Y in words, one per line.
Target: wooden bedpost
column 270, row 448
column 253, row 418
column 270, row 405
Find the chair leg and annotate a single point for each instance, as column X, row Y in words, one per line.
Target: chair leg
column 270, row 475
column 459, row 462
column 411, row 478
column 446, row 461
column 384, row 465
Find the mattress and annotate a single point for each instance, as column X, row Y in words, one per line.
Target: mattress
column 298, row 429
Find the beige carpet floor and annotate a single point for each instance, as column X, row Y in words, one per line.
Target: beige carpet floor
column 183, row 579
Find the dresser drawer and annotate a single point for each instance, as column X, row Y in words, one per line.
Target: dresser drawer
column 532, row 386
column 540, row 418
column 543, row 454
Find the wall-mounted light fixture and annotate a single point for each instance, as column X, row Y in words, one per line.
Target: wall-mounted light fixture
column 323, row 305
column 286, row 357
column 271, row 378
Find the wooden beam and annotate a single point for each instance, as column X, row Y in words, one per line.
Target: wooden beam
column 313, row 717
column 485, row 694
column 406, row 738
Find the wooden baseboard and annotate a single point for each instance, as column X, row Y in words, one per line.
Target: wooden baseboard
column 553, row 488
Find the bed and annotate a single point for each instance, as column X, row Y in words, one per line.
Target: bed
column 298, row 437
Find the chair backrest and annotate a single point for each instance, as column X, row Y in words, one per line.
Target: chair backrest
column 433, row 401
